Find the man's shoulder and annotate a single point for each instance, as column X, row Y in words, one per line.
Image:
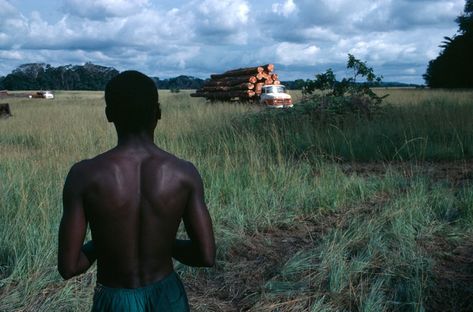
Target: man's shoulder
column 173, row 166
column 179, row 165
column 99, row 162
column 85, row 165
column 79, row 167
column 85, row 168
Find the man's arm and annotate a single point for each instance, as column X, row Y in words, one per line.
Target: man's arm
column 199, row 250
column 72, row 258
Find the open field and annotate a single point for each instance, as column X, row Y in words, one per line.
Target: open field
column 310, row 214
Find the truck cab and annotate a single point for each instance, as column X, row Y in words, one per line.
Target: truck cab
column 275, row 96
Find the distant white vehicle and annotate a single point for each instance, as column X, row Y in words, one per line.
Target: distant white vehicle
column 275, row 96
column 42, row 95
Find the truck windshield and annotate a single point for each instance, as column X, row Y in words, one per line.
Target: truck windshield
column 275, row 89
column 280, row 89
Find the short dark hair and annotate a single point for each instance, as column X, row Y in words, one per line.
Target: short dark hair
column 132, row 100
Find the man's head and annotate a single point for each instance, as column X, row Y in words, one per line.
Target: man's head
column 132, row 102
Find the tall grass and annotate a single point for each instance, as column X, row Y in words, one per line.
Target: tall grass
column 428, row 125
column 260, row 170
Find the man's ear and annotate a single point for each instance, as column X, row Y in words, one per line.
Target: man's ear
column 108, row 113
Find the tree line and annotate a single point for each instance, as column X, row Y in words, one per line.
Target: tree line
column 40, row 76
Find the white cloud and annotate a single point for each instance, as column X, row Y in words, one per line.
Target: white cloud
column 11, row 55
column 409, row 71
column 379, row 49
column 181, row 57
column 221, row 21
column 98, row 9
column 292, row 53
column 6, row 8
column 285, row 9
column 319, row 33
column 336, row 5
column 225, row 13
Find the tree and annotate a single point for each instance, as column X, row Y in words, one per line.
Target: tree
column 179, row 82
column 347, row 86
column 349, row 94
column 465, row 21
column 453, row 67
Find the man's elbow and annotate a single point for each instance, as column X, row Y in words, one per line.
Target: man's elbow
column 208, row 259
column 208, row 262
column 66, row 273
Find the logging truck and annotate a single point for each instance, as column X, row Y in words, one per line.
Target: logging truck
column 252, row 84
column 42, row 95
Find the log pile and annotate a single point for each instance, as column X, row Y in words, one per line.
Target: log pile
column 243, row 83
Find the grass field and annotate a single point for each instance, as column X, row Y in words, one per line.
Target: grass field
column 310, row 214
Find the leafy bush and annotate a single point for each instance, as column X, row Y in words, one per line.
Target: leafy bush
column 347, row 95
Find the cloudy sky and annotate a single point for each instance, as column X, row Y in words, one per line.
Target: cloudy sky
column 173, row 37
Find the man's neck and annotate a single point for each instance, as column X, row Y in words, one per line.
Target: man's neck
column 135, row 138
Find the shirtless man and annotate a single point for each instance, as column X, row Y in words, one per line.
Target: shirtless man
column 134, row 197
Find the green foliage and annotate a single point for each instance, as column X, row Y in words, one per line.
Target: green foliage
column 325, row 81
column 347, row 95
column 297, row 84
column 453, row 67
column 465, row 21
column 179, row 82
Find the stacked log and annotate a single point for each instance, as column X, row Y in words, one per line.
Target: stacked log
column 242, row 83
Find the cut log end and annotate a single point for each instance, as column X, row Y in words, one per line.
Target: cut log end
column 269, row 67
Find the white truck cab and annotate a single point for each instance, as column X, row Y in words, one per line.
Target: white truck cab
column 275, row 96
column 48, row 95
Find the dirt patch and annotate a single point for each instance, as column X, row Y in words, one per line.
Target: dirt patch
column 452, row 281
column 457, row 173
column 238, row 284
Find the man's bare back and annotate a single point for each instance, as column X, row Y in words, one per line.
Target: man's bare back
column 134, row 197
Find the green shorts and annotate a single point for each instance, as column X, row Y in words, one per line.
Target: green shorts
column 167, row 294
